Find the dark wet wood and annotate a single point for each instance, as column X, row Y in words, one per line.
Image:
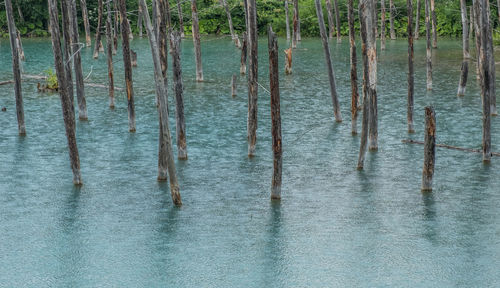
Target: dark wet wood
column 429, row 149
column 66, row 30
column 354, row 72
column 244, row 50
column 491, row 62
column 484, row 69
column 411, row 73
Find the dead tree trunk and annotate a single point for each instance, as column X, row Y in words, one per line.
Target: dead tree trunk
column 65, row 10
column 498, row 10
column 331, row 23
column 162, row 46
column 252, row 77
column 127, row 64
column 244, row 48
column 477, row 31
column 354, row 72
column 175, row 44
column 77, row 62
column 337, row 20
column 411, row 73
column 429, row 49
column 64, row 92
column 295, row 23
column 287, row 21
column 181, row 22
column 417, row 20
column 233, row 85
column 20, row 46
column 491, row 62
column 429, row 149
column 139, row 21
column 288, row 61
column 275, row 114
column 109, row 48
column 229, row 20
column 434, row 32
column 196, row 40
column 485, row 58
column 372, row 70
column 391, row 19
column 116, row 26
column 331, row 75
column 382, row 25
column 161, row 91
column 471, row 23
column 85, row 16
column 465, row 43
column 98, row 29
column 16, row 70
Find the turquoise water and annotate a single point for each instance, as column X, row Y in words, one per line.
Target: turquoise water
column 335, row 226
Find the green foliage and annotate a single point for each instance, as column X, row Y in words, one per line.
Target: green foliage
column 51, row 80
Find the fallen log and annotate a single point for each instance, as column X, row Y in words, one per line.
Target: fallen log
column 6, row 82
column 410, row 141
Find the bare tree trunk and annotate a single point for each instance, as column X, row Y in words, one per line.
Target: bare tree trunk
column 391, row 19
column 15, row 68
column 77, row 62
column 127, row 64
column 244, row 48
column 116, row 27
column 471, row 23
column 64, row 92
column 233, row 85
column 65, row 11
column 229, row 20
column 287, row 21
column 295, row 23
column 498, row 10
column 162, row 46
column 429, row 149
column 429, row 49
column 20, row 46
column 337, row 20
column 181, row 22
column 139, row 21
column 491, row 62
column 331, row 75
column 98, row 29
column 382, row 25
column 372, row 89
column 331, row 23
column 252, row 77
column 109, row 48
column 161, row 91
column 288, row 61
column 477, row 33
column 354, row 73
column 85, row 16
column 275, row 115
column 196, row 40
column 485, row 58
column 434, row 32
column 417, row 20
column 465, row 43
column 168, row 15
column 411, row 73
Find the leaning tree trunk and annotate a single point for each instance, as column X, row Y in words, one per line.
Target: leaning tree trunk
column 161, row 91
column 331, row 23
column 434, row 32
column 229, row 20
column 77, row 62
column 331, row 74
column 382, row 25
column 411, row 73
column 354, row 73
column 16, row 70
column 337, row 20
column 196, row 39
column 252, row 77
column 109, row 49
column 417, row 20
column 98, row 29
column 391, row 19
column 85, row 16
column 429, row 49
column 64, row 93
column 465, row 43
column 127, row 64
column 485, row 58
column 287, row 21
column 295, row 23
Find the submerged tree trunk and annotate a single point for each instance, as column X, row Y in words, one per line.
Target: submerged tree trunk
column 295, row 23
column 326, row 48
column 477, row 31
column 77, row 62
column 109, row 49
column 434, row 32
column 485, row 58
column 428, row 49
column 331, row 23
column 354, row 73
column 196, row 40
column 127, row 64
column 64, row 92
column 98, row 29
column 372, row 70
column 391, row 19
column 465, row 43
column 275, row 114
column 16, row 70
column 161, row 39
column 417, row 20
column 65, row 10
column 287, row 21
column 382, row 25
column 161, row 91
column 337, row 20
column 85, row 16
column 244, row 49
column 411, row 73
column 429, row 149
column 252, row 77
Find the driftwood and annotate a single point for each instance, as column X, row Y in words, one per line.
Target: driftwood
column 429, row 149
column 7, row 82
column 354, row 74
column 410, row 141
column 252, row 77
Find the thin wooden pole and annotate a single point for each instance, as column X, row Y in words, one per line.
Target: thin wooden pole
column 162, row 108
column 337, row 20
column 434, row 29
column 331, row 74
column 196, row 39
column 98, row 29
column 109, row 48
column 275, row 115
column 391, row 19
column 464, row 71
column 428, row 49
column 139, row 21
column 181, row 22
column 331, row 22
column 86, row 25
column 354, row 73
column 382, row 25
column 429, row 149
column 252, row 77
column 417, row 21
column 244, row 48
column 287, row 21
column 411, row 73
column 64, row 93
column 16, row 70
column 127, row 64
column 233, row 85
column 296, row 28
column 77, row 62
column 485, row 57
column 175, row 44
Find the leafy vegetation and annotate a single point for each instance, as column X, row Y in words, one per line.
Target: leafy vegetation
column 51, row 81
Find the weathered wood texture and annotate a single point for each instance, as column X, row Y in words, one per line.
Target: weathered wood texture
column 328, row 61
column 67, row 49
column 471, row 23
column 295, row 36
column 477, row 33
column 391, row 19
column 163, row 38
column 287, row 21
column 161, row 91
column 116, row 26
column 16, row 69
column 331, row 22
column 417, row 20
column 98, row 29
column 411, row 73
column 382, row 25
column 139, row 20
column 464, row 71
column 20, row 45
column 244, row 50
column 64, row 93
column 429, row 48
column 485, row 58
column 229, row 19
column 181, row 21
column 372, row 70
column 233, row 85
column 337, row 20
column 175, row 44
column 429, row 149
column 491, row 62
column 77, row 63
column 275, row 115
column 109, row 50
column 86, row 25
column 252, row 77
column 434, row 31
column 127, row 65
column 288, row 61
column 196, row 39
column 354, row 72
